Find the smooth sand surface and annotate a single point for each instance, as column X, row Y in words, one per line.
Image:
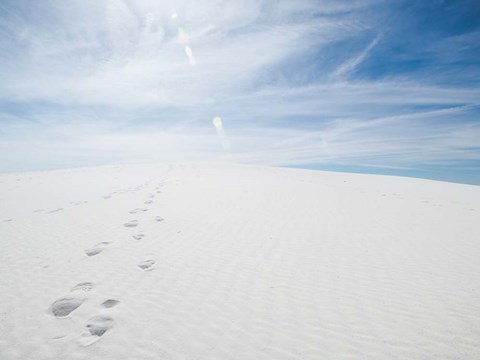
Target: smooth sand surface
column 216, row 261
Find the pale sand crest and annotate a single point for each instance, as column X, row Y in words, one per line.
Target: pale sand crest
column 215, row 261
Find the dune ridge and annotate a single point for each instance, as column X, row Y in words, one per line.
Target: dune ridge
column 219, row 261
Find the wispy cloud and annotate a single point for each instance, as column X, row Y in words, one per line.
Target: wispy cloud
column 295, row 83
column 350, row 65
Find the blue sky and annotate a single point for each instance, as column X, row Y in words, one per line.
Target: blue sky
column 388, row 87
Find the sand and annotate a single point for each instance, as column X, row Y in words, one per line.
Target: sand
column 218, row 261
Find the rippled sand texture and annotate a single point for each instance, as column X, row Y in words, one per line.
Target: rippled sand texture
column 208, row 261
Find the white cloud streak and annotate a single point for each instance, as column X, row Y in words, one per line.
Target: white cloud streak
column 350, row 65
column 118, row 80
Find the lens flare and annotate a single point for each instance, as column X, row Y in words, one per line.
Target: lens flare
column 182, row 36
column 174, row 16
column 189, row 52
column 217, row 122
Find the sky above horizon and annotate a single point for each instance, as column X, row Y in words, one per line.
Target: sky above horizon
column 375, row 86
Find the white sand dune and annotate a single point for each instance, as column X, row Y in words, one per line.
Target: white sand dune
column 208, row 261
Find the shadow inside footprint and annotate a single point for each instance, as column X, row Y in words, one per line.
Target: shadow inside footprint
column 54, row 211
column 93, row 251
column 97, row 327
column 64, row 306
column 97, row 249
column 84, row 286
column 159, row 218
column 130, row 224
column 138, row 236
column 146, row 265
column 110, row 303
column 134, row 211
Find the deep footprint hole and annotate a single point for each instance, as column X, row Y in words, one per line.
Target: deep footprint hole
column 146, row 265
column 63, row 307
column 99, row 325
column 110, row 303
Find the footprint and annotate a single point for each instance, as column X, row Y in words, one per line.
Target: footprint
column 151, row 196
column 159, row 218
column 97, row 249
column 110, row 303
column 84, row 286
column 97, row 327
column 139, row 236
column 64, row 306
column 134, row 211
column 146, row 265
column 148, row 202
column 54, row 211
column 132, row 223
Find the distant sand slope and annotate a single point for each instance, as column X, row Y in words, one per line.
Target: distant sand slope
column 204, row 261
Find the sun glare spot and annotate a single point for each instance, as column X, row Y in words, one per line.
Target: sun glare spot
column 217, row 122
column 189, row 52
column 182, row 36
column 174, row 16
